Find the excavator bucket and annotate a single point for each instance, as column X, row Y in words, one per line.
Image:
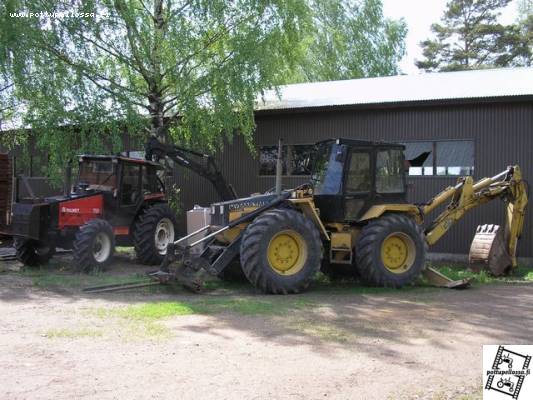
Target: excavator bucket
column 435, row 278
column 488, row 251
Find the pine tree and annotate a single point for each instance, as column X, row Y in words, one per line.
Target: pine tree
column 470, row 37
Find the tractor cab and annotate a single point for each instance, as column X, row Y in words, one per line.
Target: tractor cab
column 350, row 176
column 115, row 201
column 125, row 179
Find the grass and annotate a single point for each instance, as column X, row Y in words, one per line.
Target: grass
column 124, row 250
column 521, row 274
column 46, row 279
column 145, row 319
column 324, row 331
column 323, row 284
column 167, row 309
column 72, row 334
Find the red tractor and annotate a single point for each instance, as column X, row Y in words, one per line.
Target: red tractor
column 115, row 201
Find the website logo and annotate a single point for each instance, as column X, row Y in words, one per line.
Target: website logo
column 507, row 372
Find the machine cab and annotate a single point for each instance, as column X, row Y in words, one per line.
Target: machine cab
column 350, row 176
column 123, row 181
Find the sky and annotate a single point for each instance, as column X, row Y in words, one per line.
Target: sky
column 419, row 15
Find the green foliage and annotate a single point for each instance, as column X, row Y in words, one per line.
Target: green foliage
column 190, row 70
column 470, row 37
column 525, row 9
column 146, row 66
column 173, row 196
column 7, row 87
column 350, row 39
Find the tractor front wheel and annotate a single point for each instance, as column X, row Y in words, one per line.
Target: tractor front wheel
column 391, row 251
column 33, row 253
column 281, row 252
column 153, row 232
column 94, row 246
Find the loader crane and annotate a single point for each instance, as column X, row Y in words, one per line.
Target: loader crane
column 200, row 163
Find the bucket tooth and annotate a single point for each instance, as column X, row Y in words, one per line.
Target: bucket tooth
column 488, row 251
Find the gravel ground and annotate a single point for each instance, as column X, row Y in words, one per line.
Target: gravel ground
column 231, row 343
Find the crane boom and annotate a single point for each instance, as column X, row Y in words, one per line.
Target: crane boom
column 202, row 164
column 467, row 194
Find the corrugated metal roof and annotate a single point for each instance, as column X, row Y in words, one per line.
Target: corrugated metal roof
column 487, row 83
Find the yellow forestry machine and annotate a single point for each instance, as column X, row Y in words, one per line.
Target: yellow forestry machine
column 353, row 215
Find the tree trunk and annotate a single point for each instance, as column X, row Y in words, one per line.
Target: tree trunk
column 155, row 97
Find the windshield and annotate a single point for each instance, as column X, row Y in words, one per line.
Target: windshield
column 327, row 169
column 98, row 174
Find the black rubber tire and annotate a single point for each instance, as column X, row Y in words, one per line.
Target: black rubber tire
column 82, row 252
column 27, row 252
column 144, row 233
column 368, row 251
column 253, row 253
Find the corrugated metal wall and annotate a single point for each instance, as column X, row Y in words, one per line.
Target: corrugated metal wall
column 503, row 135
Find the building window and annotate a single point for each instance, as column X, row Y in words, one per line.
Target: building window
column 413, row 150
column 455, row 158
column 267, row 160
column 295, row 159
column 446, row 158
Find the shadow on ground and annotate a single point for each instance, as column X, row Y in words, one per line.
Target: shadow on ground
column 327, row 317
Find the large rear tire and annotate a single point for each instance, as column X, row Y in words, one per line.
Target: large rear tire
column 391, row 251
column 154, row 230
column 94, row 246
column 281, row 252
column 33, row 253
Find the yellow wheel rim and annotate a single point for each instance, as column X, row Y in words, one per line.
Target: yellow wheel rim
column 398, row 252
column 287, row 252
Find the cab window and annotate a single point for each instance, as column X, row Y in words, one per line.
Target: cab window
column 327, row 176
column 358, row 177
column 98, row 174
column 130, row 184
column 389, row 171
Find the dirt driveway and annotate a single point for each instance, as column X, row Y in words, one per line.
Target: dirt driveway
column 333, row 342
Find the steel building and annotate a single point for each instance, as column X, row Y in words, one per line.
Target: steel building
column 474, row 123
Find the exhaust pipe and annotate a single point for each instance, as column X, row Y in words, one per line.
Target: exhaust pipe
column 279, row 167
column 67, row 189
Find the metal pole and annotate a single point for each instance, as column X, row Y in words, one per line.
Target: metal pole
column 190, row 235
column 68, row 179
column 279, row 167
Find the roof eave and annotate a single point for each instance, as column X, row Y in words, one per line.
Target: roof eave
column 399, row 104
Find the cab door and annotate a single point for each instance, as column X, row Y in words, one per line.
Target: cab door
column 358, row 182
column 130, row 195
column 390, row 176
